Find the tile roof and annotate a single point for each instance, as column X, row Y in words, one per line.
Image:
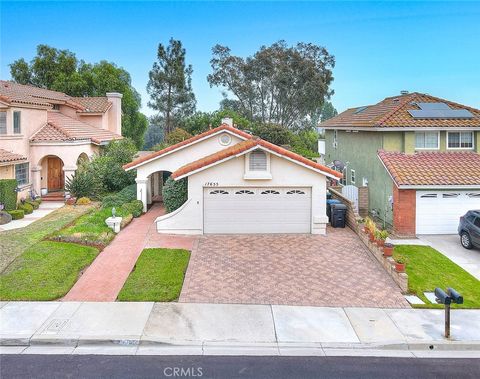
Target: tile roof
column 248, row 145
column 188, row 141
column 432, row 168
column 393, row 112
column 60, row 127
column 99, row 104
column 7, row 156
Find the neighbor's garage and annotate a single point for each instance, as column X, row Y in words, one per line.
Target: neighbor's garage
column 438, row 212
column 249, row 210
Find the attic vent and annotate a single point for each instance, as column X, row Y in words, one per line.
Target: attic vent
column 438, row 111
column 359, row 110
column 258, row 161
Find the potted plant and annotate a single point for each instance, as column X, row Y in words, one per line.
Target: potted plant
column 388, row 249
column 381, row 236
column 400, row 262
column 368, row 225
column 371, row 232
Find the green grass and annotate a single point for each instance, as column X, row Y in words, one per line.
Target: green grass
column 90, row 229
column 45, row 271
column 427, row 269
column 14, row 242
column 157, row 276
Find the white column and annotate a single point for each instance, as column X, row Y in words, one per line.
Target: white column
column 142, row 192
column 149, row 190
column 37, row 179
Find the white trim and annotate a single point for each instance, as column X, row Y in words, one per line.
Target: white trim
column 184, row 146
column 460, row 141
column 61, row 143
column 428, row 148
column 171, row 214
column 401, row 128
column 433, row 186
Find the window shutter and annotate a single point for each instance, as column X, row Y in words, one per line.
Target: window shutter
column 258, row 161
column 16, row 123
column 3, row 122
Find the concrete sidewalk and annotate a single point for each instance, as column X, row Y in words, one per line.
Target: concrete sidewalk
column 232, row 329
column 43, row 210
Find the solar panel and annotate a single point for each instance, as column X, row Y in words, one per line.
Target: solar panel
column 361, row 109
column 438, row 111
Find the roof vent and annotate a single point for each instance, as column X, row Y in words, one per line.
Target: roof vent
column 358, row 110
column 404, row 92
column 439, row 111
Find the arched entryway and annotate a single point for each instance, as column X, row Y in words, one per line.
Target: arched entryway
column 52, row 175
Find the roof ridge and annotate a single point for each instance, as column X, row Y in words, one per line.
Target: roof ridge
column 389, row 114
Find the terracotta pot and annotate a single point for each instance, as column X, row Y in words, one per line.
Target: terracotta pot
column 380, row 243
column 371, row 237
column 365, row 229
column 399, row 267
column 71, row 201
column 387, row 251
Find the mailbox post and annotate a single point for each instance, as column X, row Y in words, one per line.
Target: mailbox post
column 446, row 298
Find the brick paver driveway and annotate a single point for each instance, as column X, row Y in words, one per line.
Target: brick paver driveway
column 332, row 270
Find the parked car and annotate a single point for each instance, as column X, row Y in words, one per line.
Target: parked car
column 469, row 229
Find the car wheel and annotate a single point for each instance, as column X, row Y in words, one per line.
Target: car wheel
column 466, row 240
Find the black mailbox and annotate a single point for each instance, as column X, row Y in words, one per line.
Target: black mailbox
column 455, row 296
column 442, row 297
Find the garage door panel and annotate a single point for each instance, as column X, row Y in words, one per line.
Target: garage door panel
column 257, row 210
column 438, row 212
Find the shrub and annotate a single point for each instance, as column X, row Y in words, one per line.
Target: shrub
column 135, row 208
column 273, row 133
column 177, row 135
column 17, row 214
column 34, row 204
column 27, row 208
column 8, row 196
column 126, row 195
column 82, row 184
column 84, row 201
column 175, row 194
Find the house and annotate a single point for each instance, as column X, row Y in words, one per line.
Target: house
column 43, row 134
column 237, row 183
column 417, row 154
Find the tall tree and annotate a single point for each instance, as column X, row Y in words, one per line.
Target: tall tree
column 328, row 111
column 60, row 70
column 170, row 85
column 279, row 84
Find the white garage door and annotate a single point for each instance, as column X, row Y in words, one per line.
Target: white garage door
column 257, row 210
column 438, row 212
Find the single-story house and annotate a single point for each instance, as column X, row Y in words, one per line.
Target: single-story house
column 237, row 183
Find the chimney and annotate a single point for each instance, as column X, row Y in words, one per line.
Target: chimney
column 228, row 121
column 115, row 112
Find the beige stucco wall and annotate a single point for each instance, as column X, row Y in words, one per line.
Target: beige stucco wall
column 7, row 172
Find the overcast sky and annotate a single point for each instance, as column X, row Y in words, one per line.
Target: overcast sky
column 380, row 48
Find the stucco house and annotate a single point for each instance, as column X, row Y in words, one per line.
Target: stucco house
column 237, row 183
column 44, row 133
column 417, row 154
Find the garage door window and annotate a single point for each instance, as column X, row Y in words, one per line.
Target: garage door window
column 295, row 192
column 219, row 192
column 270, row 192
column 244, row 192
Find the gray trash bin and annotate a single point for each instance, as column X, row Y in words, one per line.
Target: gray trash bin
column 338, row 215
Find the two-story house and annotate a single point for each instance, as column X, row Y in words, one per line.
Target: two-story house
column 44, row 134
column 418, row 155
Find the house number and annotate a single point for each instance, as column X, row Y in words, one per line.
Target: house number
column 211, row 184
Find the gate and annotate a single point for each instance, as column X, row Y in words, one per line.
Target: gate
column 351, row 193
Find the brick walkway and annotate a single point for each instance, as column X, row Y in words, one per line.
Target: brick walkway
column 104, row 279
column 333, row 270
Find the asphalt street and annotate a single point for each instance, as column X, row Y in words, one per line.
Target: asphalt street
column 101, row 366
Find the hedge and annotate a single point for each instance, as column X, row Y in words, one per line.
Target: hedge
column 34, row 204
column 175, row 194
column 25, row 207
column 8, row 196
column 134, row 207
column 126, row 195
column 17, row 214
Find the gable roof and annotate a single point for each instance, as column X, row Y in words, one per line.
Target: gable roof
column 148, row 157
column 98, row 104
column 393, row 112
column 432, row 168
column 62, row 128
column 246, row 146
column 7, row 157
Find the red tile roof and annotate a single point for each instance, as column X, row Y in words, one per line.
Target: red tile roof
column 393, row 112
column 432, row 168
column 60, row 127
column 245, row 146
column 8, row 156
column 98, row 104
column 188, row 141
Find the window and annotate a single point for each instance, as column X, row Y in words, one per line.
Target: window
column 225, row 139
column 219, row 192
column 335, row 139
column 474, row 195
column 244, row 192
column 429, row 196
column 460, row 140
column 426, row 140
column 3, row 122
column 258, row 161
column 16, row 123
column 477, row 222
column 56, row 107
column 450, row 195
column 295, row 192
column 352, row 176
column 270, row 192
column 21, row 174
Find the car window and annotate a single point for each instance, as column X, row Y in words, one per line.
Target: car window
column 470, row 218
column 477, row 222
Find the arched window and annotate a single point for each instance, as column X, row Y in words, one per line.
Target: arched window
column 258, row 161
column 244, row 192
column 270, row 192
column 218, row 192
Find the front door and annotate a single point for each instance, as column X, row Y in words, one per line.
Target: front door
column 55, row 174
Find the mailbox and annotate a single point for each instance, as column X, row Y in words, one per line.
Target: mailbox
column 442, row 297
column 455, row 296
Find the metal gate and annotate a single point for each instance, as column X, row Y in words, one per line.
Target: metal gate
column 351, row 193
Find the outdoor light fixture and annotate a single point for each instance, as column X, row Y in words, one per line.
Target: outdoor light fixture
column 114, row 212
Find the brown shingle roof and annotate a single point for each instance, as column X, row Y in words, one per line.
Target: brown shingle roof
column 393, row 112
column 245, row 146
column 7, row 156
column 93, row 104
column 432, row 168
column 60, row 127
column 159, row 153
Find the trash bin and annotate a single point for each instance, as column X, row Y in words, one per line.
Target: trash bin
column 329, row 195
column 338, row 215
column 329, row 204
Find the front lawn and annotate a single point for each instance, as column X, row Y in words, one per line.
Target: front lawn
column 157, row 276
column 91, row 229
column 45, row 271
column 427, row 269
